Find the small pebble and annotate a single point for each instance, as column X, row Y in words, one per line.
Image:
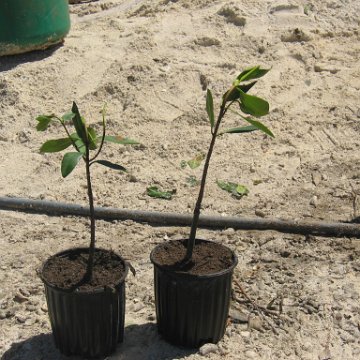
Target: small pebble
column 325, row 68
column 2, row 314
column 24, row 292
column 314, row 201
column 133, row 179
column 245, row 334
column 36, row 290
column 204, row 82
column 208, row 349
column 138, row 306
column 316, row 178
column 31, row 307
column 21, row 318
column 30, row 321
column 250, row 354
column 19, row 298
column 259, row 213
column 238, row 316
column 207, row 41
column 255, row 323
column 229, row 231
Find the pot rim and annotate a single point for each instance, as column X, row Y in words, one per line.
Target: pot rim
column 82, row 292
column 195, row 276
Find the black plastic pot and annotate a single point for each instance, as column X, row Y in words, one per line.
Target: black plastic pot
column 86, row 323
column 191, row 309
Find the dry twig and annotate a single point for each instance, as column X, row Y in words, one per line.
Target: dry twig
column 260, row 309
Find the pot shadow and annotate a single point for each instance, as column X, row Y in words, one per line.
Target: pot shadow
column 37, row 347
column 9, row 62
column 141, row 342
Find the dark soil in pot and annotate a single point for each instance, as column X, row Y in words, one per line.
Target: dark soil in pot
column 192, row 302
column 67, row 271
column 86, row 319
column 208, row 257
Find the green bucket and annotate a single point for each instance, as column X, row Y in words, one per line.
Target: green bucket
column 27, row 25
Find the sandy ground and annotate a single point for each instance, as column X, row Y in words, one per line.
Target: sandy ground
column 151, row 62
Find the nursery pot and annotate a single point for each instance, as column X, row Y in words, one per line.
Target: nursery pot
column 27, row 25
column 86, row 323
column 192, row 309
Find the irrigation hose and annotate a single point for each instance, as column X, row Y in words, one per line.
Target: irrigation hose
column 320, row 228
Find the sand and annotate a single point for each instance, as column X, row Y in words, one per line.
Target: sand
column 151, row 62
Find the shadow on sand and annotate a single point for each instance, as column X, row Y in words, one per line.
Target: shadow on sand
column 9, row 62
column 141, row 342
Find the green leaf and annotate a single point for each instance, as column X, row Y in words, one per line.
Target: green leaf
column 234, row 93
column 69, row 162
column 258, row 125
column 235, row 189
column 68, row 116
column 43, row 122
column 101, row 139
column 79, row 123
column 79, row 143
column 110, row 165
column 81, row 146
column 57, row 145
column 227, row 186
column 92, row 138
column 155, row 192
column 246, row 87
column 253, row 105
column 119, row 140
column 251, row 73
column 242, row 190
column 239, row 130
column 196, row 161
column 210, row 108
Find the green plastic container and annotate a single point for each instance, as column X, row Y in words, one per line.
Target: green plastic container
column 27, row 25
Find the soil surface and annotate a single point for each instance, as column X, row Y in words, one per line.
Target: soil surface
column 207, row 258
column 68, row 270
column 295, row 297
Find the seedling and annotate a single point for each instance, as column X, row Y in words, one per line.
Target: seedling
column 247, row 108
column 85, row 142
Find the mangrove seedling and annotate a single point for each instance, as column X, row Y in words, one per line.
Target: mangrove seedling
column 87, row 146
column 248, row 108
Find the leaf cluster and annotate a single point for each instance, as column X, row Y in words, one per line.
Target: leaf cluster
column 249, row 107
column 84, row 140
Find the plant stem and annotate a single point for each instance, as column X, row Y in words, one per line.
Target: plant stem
column 197, row 210
column 68, row 134
column 102, row 138
column 90, row 264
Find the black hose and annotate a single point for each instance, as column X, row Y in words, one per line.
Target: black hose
column 320, row 228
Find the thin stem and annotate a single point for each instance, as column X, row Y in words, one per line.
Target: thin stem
column 102, row 138
column 197, row 210
column 90, row 264
column 68, row 134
